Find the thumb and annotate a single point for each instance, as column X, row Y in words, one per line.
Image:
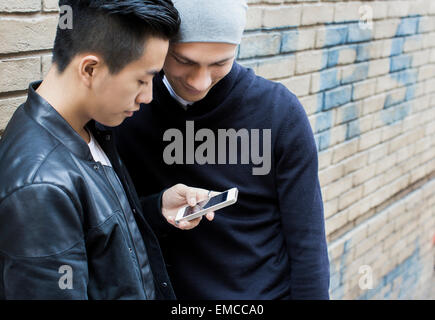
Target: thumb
column 190, row 195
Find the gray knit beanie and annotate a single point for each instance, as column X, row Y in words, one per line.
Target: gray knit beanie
column 211, row 20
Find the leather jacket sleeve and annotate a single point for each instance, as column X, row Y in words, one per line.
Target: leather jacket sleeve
column 42, row 251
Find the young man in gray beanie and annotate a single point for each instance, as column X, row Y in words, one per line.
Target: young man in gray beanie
column 215, row 124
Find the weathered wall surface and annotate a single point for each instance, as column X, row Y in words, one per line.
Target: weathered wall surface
column 365, row 73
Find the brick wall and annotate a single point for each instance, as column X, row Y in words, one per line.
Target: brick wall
column 27, row 31
column 369, row 92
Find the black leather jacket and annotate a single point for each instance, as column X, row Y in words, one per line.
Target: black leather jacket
column 71, row 228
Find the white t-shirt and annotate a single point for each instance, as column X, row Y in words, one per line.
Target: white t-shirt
column 97, row 152
column 184, row 103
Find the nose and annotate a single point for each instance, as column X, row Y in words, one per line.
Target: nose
column 199, row 79
column 146, row 95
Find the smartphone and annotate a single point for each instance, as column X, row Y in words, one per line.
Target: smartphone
column 214, row 203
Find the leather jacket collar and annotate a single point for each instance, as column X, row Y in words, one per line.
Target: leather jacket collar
column 46, row 116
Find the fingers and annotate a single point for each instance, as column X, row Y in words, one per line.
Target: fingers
column 180, row 195
column 184, row 225
column 202, row 194
column 187, row 225
column 195, row 195
column 210, row 216
column 191, row 196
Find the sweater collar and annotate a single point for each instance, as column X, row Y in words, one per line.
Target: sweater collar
column 214, row 98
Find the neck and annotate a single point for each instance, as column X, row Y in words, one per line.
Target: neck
column 64, row 98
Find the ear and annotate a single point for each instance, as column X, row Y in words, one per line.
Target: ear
column 89, row 67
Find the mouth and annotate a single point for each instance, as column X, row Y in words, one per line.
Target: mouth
column 193, row 92
column 130, row 113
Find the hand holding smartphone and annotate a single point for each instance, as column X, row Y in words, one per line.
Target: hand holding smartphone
column 214, row 203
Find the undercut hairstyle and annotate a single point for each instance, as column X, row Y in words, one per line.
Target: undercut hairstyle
column 117, row 30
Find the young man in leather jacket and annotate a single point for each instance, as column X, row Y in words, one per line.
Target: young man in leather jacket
column 71, row 223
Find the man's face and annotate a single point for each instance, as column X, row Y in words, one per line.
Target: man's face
column 117, row 96
column 194, row 68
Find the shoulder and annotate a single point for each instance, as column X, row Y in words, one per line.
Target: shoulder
column 273, row 97
column 280, row 109
column 37, row 220
column 27, row 152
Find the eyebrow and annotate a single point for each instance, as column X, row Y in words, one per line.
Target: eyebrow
column 194, row 62
column 153, row 72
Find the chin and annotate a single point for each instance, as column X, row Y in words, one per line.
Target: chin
column 115, row 124
column 112, row 123
column 186, row 95
column 195, row 98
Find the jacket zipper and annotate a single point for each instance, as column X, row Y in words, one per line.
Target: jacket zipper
column 129, row 231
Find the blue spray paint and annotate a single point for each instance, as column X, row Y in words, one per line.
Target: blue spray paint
column 409, row 271
column 333, row 91
column 400, row 70
column 337, row 273
column 352, row 37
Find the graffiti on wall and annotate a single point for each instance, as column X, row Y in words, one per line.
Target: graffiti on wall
column 337, row 89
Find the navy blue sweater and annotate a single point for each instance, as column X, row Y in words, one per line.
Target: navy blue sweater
column 271, row 243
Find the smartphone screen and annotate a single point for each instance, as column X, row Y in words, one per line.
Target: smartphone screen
column 206, row 204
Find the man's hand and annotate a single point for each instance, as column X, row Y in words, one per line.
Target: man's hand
column 179, row 196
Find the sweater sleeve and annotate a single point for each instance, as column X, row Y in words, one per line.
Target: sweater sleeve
column 301, row 206
column 152, row 208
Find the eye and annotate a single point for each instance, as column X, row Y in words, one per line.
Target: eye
column 183, row 62
column 141, row 82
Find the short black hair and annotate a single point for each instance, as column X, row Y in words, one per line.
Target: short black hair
column 115, row 29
